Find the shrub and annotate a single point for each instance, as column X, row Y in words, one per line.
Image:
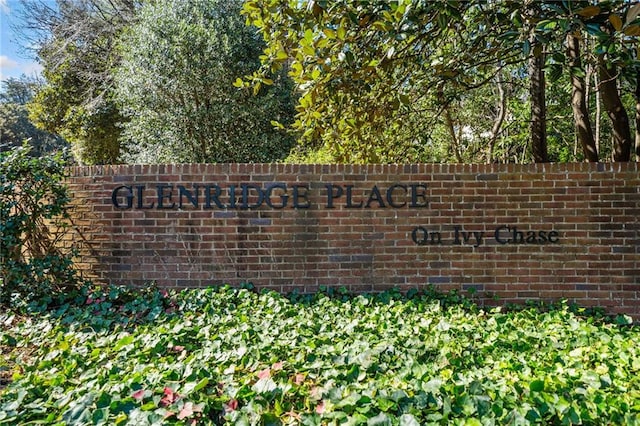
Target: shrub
column 33, row 208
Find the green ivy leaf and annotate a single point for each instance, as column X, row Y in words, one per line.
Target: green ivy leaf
column 536, row 386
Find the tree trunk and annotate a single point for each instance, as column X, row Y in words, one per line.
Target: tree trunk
column 579, row 101
column 455, row 145
column 598, row 110
column 502, row 112
column 638, row 116
column 615, row 111
column 538, row 105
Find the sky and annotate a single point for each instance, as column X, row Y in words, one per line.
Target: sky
column 13, row 60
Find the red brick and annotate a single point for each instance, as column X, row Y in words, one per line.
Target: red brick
column 370, row 249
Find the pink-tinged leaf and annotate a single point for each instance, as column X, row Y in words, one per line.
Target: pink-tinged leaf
column 164, row 293
column 178, row 348
column 139, row 394
column 89, row 301
column 230, row 406
column 169, row 397
column 320, row 408
column 187, row 411
column 277, row 366
column 264, row 374
column 316, row 392
column 298, row 379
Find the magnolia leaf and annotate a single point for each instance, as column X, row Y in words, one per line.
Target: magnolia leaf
column 589, row 11
column 632, row 30
column 282, row 55
column 308, row 36
column 616, row 21
column 632, row 14
column 316, row 10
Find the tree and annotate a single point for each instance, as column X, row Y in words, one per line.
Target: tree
column 62, row 107
column 537, row 88
column 367, row 71
column 15, row 127
column 637, row 109
column 75, row 43
column 175, row 86
column 584, row 131
column 608, row 32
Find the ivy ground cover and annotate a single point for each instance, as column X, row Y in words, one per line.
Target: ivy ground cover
column 234, row 356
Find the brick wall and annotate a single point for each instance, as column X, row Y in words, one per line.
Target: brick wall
column 552, row 231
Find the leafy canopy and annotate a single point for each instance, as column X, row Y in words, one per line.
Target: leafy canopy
column 374, row 75
column 15, row 126
column 74, row 43
column 377, row 77
column 174, row 85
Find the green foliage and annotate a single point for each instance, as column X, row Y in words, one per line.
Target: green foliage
column 33, row 204
column 74, row 41
column 92, row 129
column 15, row 126
column 372, row 74
column 394, row 81
column 233, row 356
column 379, row 81
column 175, row 86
